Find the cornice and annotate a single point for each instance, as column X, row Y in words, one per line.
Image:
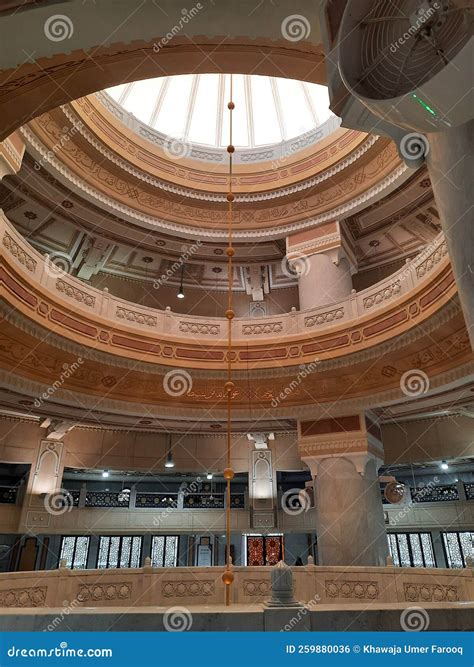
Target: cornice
column 45, row 155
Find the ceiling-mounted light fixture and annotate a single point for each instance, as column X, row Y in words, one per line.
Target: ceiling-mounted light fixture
column 180, row 294
column 169, row 463
column 444, row 465
column 105, row 473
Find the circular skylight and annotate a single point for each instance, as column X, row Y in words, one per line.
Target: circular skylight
column 193, row 107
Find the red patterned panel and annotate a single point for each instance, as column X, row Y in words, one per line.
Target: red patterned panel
column 255, row 551
column 273, row 550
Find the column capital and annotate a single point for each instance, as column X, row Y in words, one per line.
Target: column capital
column 12, row 150
column 329, row 239
column 356, row 438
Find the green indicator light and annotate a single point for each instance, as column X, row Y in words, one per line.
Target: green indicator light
column 424, row 105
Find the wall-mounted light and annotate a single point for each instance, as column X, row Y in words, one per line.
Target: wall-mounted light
column 209, row 475
column 169, row 463
column 180, row 294
column 444, row 465
column 105, row 473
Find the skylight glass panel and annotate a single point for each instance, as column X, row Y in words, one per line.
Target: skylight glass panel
column 264, row 113
column 171, row 119
column 142, row 98
column 240, row 132
column 296, row 110
column 117, row 91
column 203, row 125
column 320, row 98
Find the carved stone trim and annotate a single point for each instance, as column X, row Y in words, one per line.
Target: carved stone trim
column 134, row 316
column 432, row 260
column 200, row 328
column 24, row 259
column 324, row 318
column 194, row 588
column 95, row 592
column 362, row 590
column 383, row 295
column 263, row 328
column 23, row 597
column 74, row 293
column 257, row 587
column 430, row 593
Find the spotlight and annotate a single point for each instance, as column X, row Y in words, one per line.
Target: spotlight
column 105, row 473
column 209, row 475
column 169, row 463
column 180, row 294
column 444, row 465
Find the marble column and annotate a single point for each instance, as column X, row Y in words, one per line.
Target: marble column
column 324, row 261
column 450, row 161
column 344, row 455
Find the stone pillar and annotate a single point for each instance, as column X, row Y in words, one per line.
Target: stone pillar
column 324, row 261
column 450, row 160
column 344, row 455
column 262, row 489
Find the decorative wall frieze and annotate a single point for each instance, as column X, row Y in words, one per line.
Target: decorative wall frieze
column 384, row 294
column 75, row 293
column 180, row 589
column 203, row 328
column 104, row 592
column 134, row 316
column 21, row 255
column 433, row 258
column 424, row 592
column 23, row 597
column 257, row 587
column 324, row 318
column 397, row 175
column 361, row 590
column 262, row 328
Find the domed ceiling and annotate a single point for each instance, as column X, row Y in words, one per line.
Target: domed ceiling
column 193, row 108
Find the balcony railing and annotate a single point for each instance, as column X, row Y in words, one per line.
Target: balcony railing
column 435, row 494
column 152, row 500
